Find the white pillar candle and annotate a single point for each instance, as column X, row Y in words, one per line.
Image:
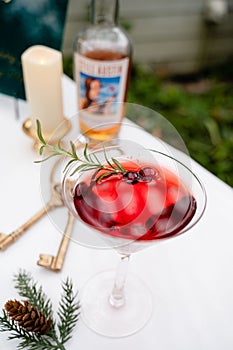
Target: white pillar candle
column 42, row 73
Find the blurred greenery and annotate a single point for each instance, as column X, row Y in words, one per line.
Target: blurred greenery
column 200, row 108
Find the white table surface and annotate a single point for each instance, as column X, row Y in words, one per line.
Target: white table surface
column 191, row 277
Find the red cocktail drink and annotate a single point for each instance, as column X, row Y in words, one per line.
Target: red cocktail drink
column 145, row 203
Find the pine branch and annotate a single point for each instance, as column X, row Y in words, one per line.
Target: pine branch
column 29, row 290
column 68, row 312
column 28, row 340
column 36, row 343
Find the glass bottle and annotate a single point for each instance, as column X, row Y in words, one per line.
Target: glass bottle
column 102, row 59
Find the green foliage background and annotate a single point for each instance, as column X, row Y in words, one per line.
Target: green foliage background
column 200, row 108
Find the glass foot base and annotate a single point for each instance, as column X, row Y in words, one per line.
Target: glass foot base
column 100, row 316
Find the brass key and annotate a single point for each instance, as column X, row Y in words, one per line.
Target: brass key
column 54, row 202
column 55, row 263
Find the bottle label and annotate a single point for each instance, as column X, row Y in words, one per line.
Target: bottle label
column 101, row 85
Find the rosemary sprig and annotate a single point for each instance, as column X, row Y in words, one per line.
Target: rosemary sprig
column 61, row 329
column 89, row 161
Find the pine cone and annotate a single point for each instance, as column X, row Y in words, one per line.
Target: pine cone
column 28, row 317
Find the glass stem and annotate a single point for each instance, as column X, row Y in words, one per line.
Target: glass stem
column 117, row 297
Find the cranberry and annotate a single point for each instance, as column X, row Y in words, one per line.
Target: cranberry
column 147, row 174
column 131, row 177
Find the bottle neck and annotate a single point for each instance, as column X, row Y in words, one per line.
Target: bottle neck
column 104, row 11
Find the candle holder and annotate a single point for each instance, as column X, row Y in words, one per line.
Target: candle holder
column 53, row 136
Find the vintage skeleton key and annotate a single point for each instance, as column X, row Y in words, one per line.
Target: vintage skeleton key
column 54, row 202
column 55, row 263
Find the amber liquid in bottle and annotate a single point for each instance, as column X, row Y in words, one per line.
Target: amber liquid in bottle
column 105, row 133
column 102, row 67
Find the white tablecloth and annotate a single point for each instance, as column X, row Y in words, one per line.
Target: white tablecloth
column 191, row 277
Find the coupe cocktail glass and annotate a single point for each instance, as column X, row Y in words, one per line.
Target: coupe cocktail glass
column 156, row 197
